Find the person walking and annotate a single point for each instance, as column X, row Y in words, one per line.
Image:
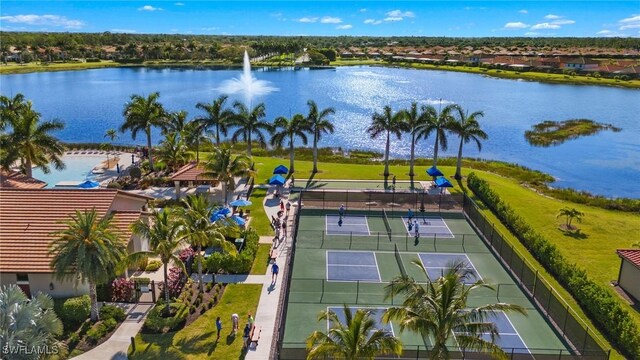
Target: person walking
column 281, row 205
column 416, row 227
column 288, row 207
column 250, row 320
column 410, row 215
column 234, row 321
column 245, row 335
column 341, row 211
column 284, row 230
column 219, row 327
column 274, row 272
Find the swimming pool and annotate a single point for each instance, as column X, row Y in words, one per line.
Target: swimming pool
column 78, row 168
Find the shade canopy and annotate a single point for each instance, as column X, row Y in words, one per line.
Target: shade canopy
column 280, row 169
column 240, row 202
column 240, row 221
column 276, row 180
column 442, row 182
column 88, row 184
column 223, row 211
column 433, row 171
column 216, row 217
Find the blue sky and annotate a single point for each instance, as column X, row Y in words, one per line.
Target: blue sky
column 383, row 18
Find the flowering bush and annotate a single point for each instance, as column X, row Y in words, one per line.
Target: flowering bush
column 122, row 290
column 176, row 280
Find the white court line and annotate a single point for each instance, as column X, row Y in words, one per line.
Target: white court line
column 516, row 330
column 351, row 265
column 447, row 235
column 377, row 268
column 456, row 254
column 329, row 308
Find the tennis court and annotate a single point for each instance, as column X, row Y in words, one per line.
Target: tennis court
column 428, row 226
column 508, row 337
column 375, row 312
column 354, row 263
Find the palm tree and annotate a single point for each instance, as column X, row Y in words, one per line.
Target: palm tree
column 10, row 109
column 223, row 166
column 173, row 151
column 166, row 239
column 88, row 249
column 467, row 127
column 141, row 114
column 438, row 123
column 193, row 135
column 288, row 130
column 318, row 125
column 216, row 116
column 388, row 123
column 28, row 323
column 32, row 142
column 355, row 340
column 416, row 120
column 112, row 135
column 439, row 308
column 249, row 123
column 570, row 213
column 200, row 231
column 176, row 122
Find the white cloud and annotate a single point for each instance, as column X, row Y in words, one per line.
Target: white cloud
column 515, row 25
column 632, row 22
column 212, row 28
column 400, row 14
column 604, row 32
column 363, row 10
column 307, row 19
column 373, row 22
column 123, row 31
column 523, row 11
column 44, row 20
column 531, row 33
column 563, row 22
column 545, row 26
column 330, row 20
column 179, row 4
column 344, row 27
column 392, row 19
column 552, row 17
column 149, row 8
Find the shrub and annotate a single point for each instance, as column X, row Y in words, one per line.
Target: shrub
column 73, row 340
column 598, row 302
column 141, row 281
column 122, row 290
column 110, row 324
column 114, row 185
column 73, row 311
column 157, row 323
column 238, row 264
column 112, row 312
column 153, row 265
column 98, row 331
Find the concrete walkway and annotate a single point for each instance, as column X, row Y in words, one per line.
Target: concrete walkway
column 117, row 345
column 271, row 292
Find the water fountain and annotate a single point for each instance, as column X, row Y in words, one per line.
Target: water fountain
column 246, row 84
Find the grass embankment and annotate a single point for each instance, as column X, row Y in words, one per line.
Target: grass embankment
column 198, row 340
column 259, row 219
column 548, row 133
column 14, row 68
column 262, row 260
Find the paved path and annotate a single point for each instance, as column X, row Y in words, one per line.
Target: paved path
column 271, row 292
column 118, row 344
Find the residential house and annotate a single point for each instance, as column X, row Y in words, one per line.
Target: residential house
column 629, row 274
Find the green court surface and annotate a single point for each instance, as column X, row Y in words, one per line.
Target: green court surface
column 358, row 185
column 356, row 261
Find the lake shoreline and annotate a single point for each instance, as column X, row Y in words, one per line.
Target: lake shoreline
column 497, row 73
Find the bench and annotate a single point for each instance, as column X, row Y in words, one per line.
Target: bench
column 255, row 335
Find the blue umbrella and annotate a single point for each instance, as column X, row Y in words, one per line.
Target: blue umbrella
column 442, row 182
column 240, row 202
column 280, row 169
column 276, row 180
column 88, row 184
column 223, row 211
column 433, row 171
column 240, row 221
column 216, row 217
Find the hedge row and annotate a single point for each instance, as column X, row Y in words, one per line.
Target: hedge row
column 73, row 311
column 238, row 264
column 598, row 302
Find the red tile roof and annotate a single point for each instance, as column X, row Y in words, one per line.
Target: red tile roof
column 631, row 255
column 16, row 180
column 190, row 172
column 28, row 217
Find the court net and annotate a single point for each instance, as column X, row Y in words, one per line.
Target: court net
column 399, row 260
column 385, row 218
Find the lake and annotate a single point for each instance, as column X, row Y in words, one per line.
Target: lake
column 608, row 163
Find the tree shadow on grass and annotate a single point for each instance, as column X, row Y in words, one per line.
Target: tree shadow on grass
column 189, row 345
column 575, row 234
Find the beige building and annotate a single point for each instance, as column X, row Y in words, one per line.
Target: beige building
column 28, row 217
column 629, row 275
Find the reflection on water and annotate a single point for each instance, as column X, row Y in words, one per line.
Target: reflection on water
column 91, row 101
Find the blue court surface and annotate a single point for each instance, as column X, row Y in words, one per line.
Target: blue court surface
column 352, row 266
column 345, row 225
column 509, row 339
column 428, row 226
column 376, row 315
column 437, row 263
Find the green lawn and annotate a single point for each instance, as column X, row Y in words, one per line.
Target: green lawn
column 262, row 260
column 198, row 340
column 40, row 67
column 259, row 219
